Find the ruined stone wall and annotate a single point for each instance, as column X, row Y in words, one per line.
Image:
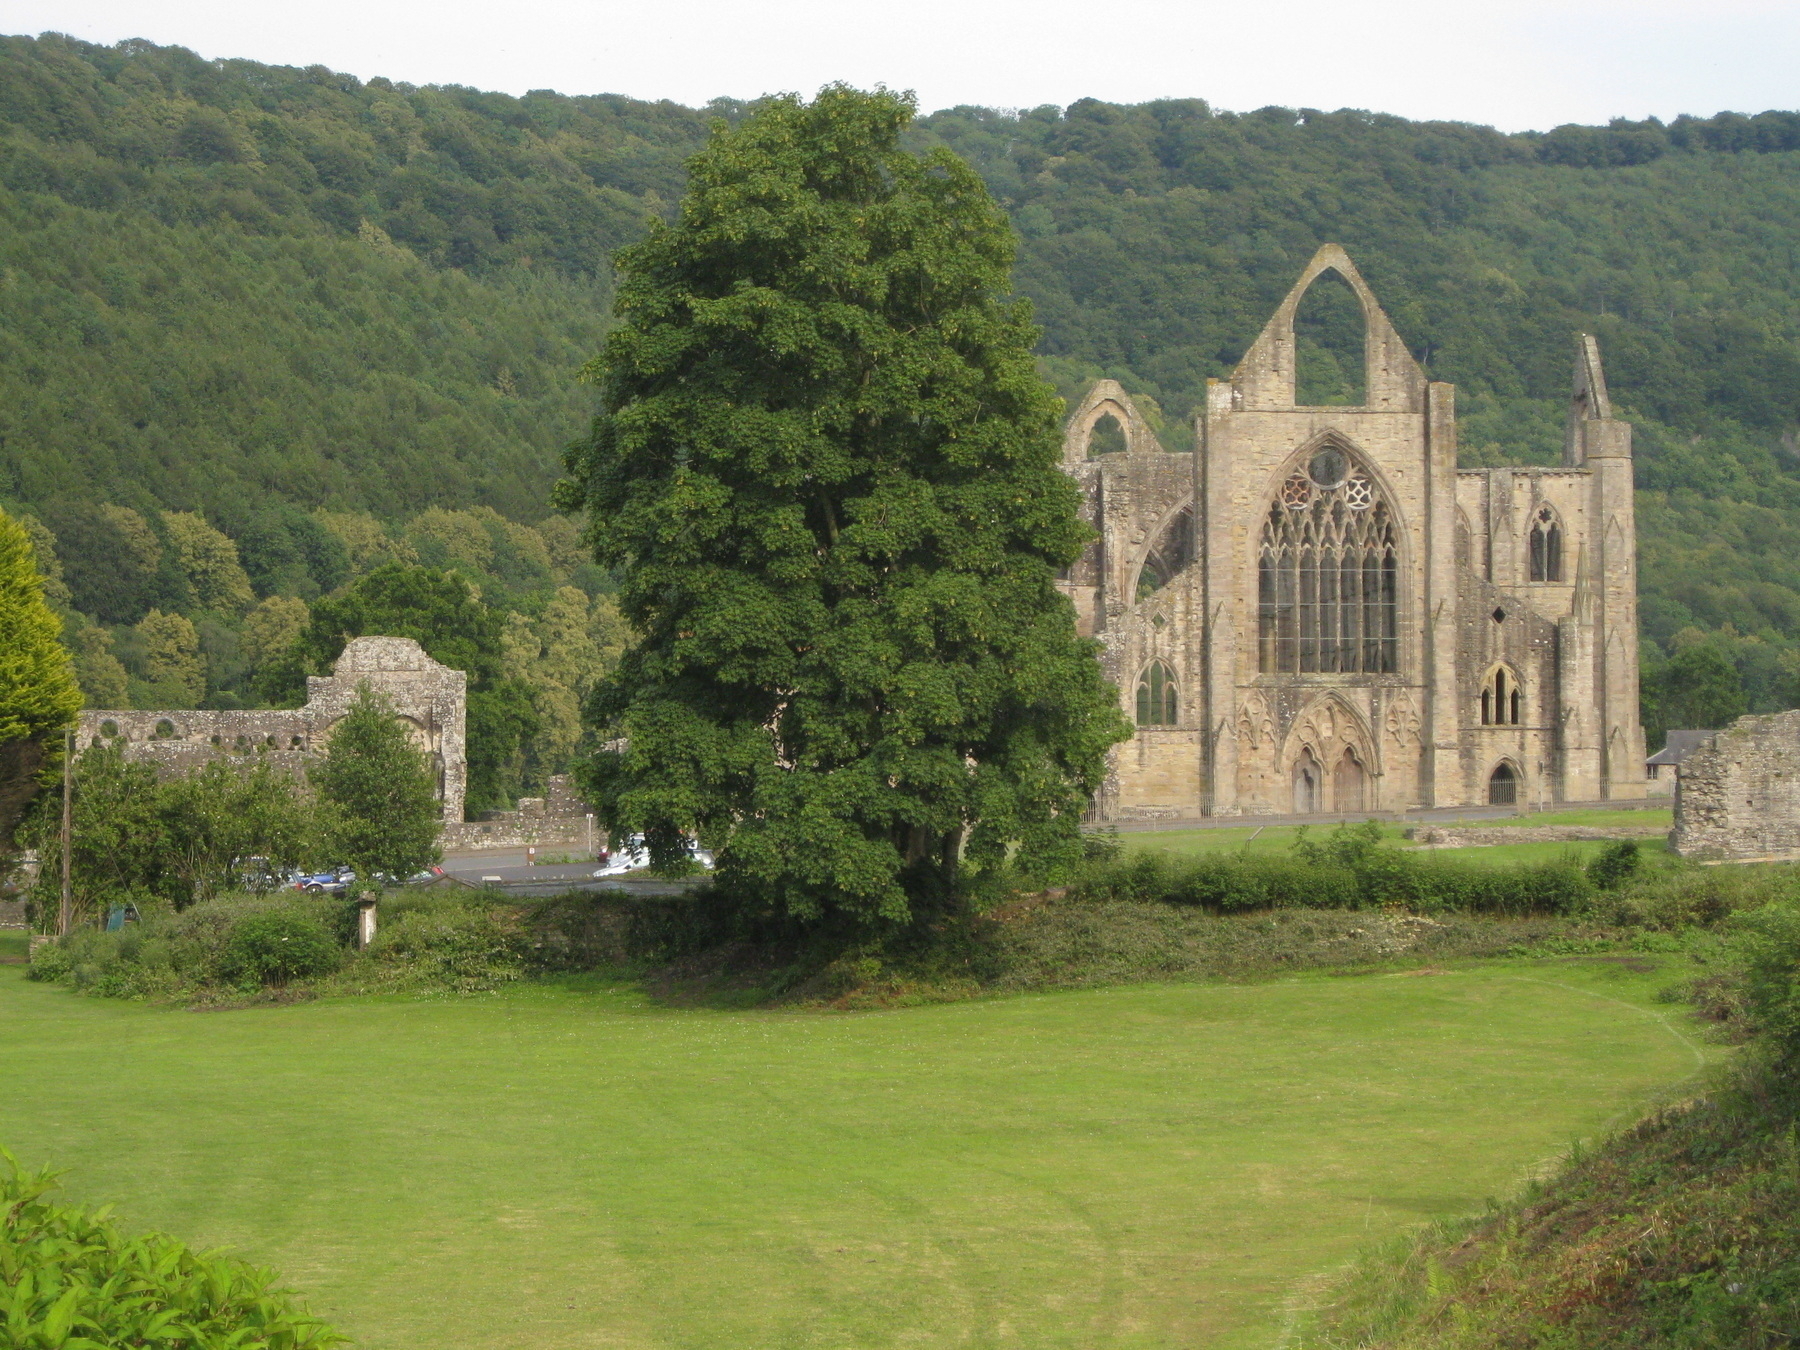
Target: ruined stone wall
column 430, row 698
column 1737, row 796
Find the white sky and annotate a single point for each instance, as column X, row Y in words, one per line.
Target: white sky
column 1523, row 64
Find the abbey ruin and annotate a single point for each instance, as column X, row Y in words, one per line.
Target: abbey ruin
column 1317, row 611
column 431, row 699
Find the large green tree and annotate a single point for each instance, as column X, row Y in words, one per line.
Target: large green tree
column 442, row 613
column 826, row 472
column 378, row 808
column 38, row 693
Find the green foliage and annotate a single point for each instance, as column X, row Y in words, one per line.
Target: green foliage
column 456, row 948
column 138, row 840
column 441, row 612
column 1698, row 689
column 1769, row 945
column 1352, row 869
column 38, row 692
column 1615, row 865
column 377, row 794
column 827, row 476
column 70, row 1280
column 277, row 946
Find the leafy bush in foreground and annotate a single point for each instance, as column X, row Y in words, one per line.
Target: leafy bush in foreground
column 70, row 1280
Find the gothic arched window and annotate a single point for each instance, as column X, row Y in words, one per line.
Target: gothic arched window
column 1156, row 696
column 1502, row 700
column 1169, row 556
column 1329, row 573
column 1546, row 547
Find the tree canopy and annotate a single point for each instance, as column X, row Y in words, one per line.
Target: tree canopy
column 377, row 796
column 826, row 472
column 38, row 693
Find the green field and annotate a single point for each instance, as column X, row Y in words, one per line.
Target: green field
column 574, row 1166
column 1279, row 838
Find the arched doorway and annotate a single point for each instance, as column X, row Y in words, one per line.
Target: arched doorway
column 1348, row 783
column 1308, row 777
column 1503, row 785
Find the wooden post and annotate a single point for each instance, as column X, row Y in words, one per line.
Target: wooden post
column 66, row 914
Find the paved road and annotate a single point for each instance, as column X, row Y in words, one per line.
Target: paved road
column 506, row 869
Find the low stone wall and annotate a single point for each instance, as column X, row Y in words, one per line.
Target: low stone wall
column 557, row 819
column 12, row 913
column 517, row 833
column 1437, row 836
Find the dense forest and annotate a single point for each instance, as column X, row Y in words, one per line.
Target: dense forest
column 263, row 330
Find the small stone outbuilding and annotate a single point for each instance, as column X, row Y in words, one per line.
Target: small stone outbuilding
column 1737, row 797
column 431, row 698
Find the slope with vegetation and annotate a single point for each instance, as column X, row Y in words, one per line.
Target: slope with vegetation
column 251, row 295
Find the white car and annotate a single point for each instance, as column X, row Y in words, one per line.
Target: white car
column 633, row 855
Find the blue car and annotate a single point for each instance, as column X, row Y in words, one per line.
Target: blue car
column 334, row 882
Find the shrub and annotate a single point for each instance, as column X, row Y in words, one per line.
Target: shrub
column 1769, row 943
column 276, row 946
column 464, row 947
column 71, row 1279
column 1615, row 864
column 1351, row 869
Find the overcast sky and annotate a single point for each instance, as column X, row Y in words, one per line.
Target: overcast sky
column 1516, row 65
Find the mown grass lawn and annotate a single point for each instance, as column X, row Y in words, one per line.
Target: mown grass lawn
column 1153, row 1166
column 1280, row 838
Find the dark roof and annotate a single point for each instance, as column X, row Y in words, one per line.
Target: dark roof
column 1679, row 745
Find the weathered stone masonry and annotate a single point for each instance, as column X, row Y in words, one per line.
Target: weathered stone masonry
column 430, row 698
column 1316, row 611
column 1737, row 797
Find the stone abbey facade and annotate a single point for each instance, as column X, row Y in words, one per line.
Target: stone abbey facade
column 1318, row 612
column 431, row 699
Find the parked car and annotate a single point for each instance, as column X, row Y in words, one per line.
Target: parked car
column 334, row 882
column 633, row 855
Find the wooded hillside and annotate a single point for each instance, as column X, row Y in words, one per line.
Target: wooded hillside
column 235, row 290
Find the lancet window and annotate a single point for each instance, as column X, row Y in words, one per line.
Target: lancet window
column 1156, row 706
column 1329, row 573
column 1502, row 701
column 1546, row 546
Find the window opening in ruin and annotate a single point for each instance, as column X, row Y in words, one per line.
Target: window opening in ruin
column 1329, row 360
column 165, row 729
column 109, row 728
column 1347, row 782
column 1307, row 777
column 1328, row 574
column 1156, row 706
column 1171, row 555
column 1107, row 437
column 1502, row 700
column 1546, row 547
column 1503, row 786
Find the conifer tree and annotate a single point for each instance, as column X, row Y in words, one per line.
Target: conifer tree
column 826, row 472
column 377, row 802
column 38, row 693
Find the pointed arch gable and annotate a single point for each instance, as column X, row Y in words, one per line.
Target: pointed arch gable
column 1392, row 378
column 1107, row 398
